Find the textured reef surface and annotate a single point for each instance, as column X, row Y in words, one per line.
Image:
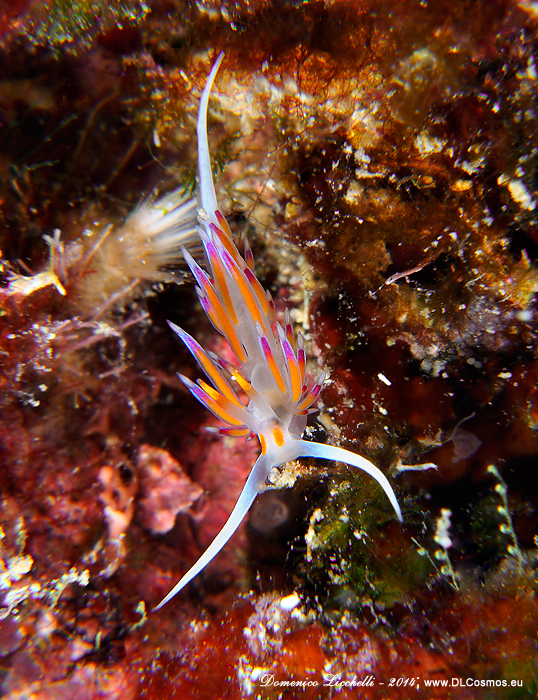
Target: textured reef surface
column 382, row 159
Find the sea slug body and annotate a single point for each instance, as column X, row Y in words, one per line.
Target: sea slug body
column 270, row 360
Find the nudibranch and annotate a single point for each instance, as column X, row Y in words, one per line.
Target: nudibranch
column 269, row 371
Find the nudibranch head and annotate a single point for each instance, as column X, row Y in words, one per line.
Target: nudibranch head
column 265, row 392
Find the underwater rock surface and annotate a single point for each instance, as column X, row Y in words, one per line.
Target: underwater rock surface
column 382, row 158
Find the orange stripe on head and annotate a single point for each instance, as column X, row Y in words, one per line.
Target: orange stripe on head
column 278, row 436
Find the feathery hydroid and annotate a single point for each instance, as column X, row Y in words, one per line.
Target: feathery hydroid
column 97, row 266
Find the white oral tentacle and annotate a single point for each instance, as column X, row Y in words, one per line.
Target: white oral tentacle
column 252, row 487
column 302, row 448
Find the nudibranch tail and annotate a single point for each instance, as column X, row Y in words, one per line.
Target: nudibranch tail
column 265, row 392
column 207, row 188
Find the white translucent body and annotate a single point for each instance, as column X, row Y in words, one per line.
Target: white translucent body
column 271, row 413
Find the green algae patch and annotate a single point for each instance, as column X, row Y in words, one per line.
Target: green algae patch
column 75, row 23
column 358, row 554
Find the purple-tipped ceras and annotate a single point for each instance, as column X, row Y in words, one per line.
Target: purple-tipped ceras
column 270, row 360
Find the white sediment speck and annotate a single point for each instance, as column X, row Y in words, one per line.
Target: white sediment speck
column 290, row 601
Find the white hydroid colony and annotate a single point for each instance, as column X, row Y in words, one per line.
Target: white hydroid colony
column 270, row 360
column 102, row 267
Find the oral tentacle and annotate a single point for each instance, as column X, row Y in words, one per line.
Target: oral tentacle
column 302, row 448
column 252, row 487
